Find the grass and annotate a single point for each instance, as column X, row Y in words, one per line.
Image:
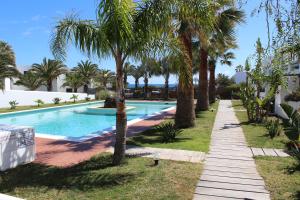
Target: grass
column 257, row 134
column 32, row 107
column 194, row 139
column 281, row 175
column 137, row 178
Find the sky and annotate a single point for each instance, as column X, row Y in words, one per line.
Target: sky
column 27, row 26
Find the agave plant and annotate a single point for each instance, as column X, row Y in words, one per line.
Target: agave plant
column 292, row 122
column 168, row 131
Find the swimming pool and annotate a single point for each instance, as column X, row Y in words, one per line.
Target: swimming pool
column 75, row 123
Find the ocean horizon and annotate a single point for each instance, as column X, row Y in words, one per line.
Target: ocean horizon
column 157, row 85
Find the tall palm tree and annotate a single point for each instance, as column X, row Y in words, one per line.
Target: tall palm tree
column 126, row 72
column 225, row 59
column 167, row 66
column 148, row 69
column 136, row 72
column 48, row 71
column 74, row 80
column 120, row 30
column 88, row 71
column 188, row 14
column 226, row 17
column 30, row 80
column 7, row 63
column 105, row 77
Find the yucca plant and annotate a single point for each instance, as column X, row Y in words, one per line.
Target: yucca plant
column 168, row 131
column 74, row 97
column 292, row 127
column 39, row 102
column 274, row 127
column 13, row 104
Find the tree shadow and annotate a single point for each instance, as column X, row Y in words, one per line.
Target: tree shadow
column 83, row 176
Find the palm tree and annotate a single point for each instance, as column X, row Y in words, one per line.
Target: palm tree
column 7, row 63
column 147, row 69
column 167, row 66
column 74, row 80
column 226, row 17
column 48, row 71
column 88, row 71
column 225, row 59
column 136, row 72
column 126, row 72
column 120, row 30
column 29, row 80
column 104, row 77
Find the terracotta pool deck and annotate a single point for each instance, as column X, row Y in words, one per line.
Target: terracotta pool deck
column 64, row 153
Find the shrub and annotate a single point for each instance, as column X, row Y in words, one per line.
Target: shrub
column 228, row 92
column 294, row 96
column 168, row 132
column 39, row 102
column 103, row 94
column 13, row 104
column 87, row 98
column 56, row 100
column 74, row 97
column 274, row 127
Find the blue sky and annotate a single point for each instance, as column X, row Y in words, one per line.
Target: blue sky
column 27, row 27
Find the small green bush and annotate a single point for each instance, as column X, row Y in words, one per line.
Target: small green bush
column 13, row 104
column 56, row 100
column 39, row 102
column 168, row 132
column 74, row 97
column 87, row 98
column 294, row 96
column 274, row 127
column 103, row 94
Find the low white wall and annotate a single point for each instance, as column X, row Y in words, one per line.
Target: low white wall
column 28, row 97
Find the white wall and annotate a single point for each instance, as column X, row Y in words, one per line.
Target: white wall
column 28, row 97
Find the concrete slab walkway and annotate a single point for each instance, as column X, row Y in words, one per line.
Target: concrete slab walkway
column 165, row 154
column 229, row 169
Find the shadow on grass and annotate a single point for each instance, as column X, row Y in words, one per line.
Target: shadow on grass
column 152, row 136
column 83, row 176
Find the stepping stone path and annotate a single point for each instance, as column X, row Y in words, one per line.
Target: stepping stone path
column 268, row 152
column 229, row 169
column 165, row 154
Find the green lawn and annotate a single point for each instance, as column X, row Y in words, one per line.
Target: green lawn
column 195, row 139
column 256, row 134
column 95, row 179
column 281, row 175
column 22, row 108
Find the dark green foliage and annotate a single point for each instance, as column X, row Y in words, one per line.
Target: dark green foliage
column 292, row 123
column 274, row 127
column 169, row 132
column 294, row 96
column 13, row 104
column 87, row 98
column 56, row 100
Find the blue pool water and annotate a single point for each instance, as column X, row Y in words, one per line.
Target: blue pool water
column 74, row 122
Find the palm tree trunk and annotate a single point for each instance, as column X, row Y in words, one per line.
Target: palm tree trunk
column 212, row 81
column 146, row 87
column 136, row 83
column 121, row 119
column 185, row 111
column 75, row 90
column 166, row 95
column 202, row 101
column 49, row 86
column 125, row 80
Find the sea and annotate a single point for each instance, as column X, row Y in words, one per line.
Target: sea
column 153, row 85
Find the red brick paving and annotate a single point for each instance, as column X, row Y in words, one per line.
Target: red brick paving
column 64, row 153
